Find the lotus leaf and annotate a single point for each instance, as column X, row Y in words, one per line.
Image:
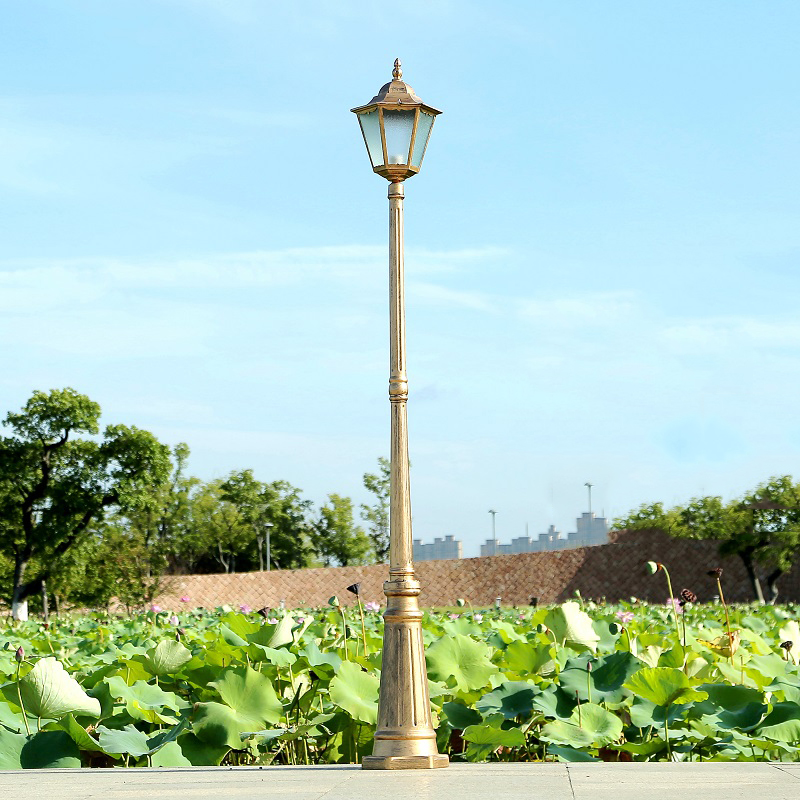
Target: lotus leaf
column 663, row 686
column 356, row 692
column 49, row 691
column 572, row 627
column 590, row 725
column 462, row 661
column 167, row 657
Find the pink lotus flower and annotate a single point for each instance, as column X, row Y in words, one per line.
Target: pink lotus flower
column 185, row 598
column 671, row 601
column 477, row 617
column 372, row 606
column 453, row 616
column 155, row 608
column 272, row 621
column 625, row 617
column 173, row 620
column 244, row 608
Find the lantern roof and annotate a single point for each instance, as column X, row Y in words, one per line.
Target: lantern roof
column 396, row 93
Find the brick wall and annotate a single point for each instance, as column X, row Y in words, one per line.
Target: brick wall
column 614, row 571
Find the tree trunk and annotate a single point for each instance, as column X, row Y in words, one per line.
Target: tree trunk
column 747, row 559
column 19, row 605
column 772, row 583
column 45, row 604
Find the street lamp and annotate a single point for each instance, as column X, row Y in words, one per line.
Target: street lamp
column 396, row 126
column 494, row 532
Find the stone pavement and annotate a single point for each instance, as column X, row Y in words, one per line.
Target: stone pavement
column 657, row 781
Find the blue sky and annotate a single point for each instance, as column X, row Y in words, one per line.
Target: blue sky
column 602, row 245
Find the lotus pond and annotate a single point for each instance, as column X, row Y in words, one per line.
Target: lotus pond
column 575, row 682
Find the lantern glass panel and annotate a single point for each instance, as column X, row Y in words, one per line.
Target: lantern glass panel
column 399, row 127
column 371, row 128
column 421, row 142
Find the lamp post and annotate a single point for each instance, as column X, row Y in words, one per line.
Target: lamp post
column 268, row 526
column 396, row 126
column 494, row 532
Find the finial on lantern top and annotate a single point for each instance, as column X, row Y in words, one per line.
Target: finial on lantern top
column 397, row 73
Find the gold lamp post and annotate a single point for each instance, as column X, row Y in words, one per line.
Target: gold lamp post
column 396, row 126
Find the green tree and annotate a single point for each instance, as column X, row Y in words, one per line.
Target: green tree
column 762, row 528
column 221, row 530
column 377, row 515
column 279, row 505
column 336, row 538
column 54, row 485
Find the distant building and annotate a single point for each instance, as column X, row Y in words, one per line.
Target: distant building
column 449, row 547
column 590, row 531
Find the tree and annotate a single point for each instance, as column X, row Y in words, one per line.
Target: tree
column 53, row 485
column 336, row 537
column 279, row 504
column 222, row 531
column 377, row 515
column 762, row 527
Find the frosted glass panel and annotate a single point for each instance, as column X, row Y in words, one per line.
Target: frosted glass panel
column 421, row 142
column 399, row 126
column 371, row 128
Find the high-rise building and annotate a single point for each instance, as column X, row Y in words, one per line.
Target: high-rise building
column 590, row 531
column 449, row 547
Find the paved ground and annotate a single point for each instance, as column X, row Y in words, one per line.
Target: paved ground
column 460, row 781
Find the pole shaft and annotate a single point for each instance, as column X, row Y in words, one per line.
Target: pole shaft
column 404, row 738
column 400, row 538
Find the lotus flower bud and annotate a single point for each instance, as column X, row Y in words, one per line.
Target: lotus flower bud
column 20, row 654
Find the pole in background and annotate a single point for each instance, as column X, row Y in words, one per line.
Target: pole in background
column 494, row 532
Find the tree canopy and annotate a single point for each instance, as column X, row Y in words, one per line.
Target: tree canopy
column 54, row 484
column 762, row 527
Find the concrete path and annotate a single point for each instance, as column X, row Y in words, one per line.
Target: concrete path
column 716, row 781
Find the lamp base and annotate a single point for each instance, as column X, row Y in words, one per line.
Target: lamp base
column 436, row 761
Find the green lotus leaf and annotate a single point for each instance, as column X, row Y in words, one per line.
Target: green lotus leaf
column 461, row 661
column 570, row 754
column 79, row 734
column 356, row 692
column 129, row 740
column 42, row 750
column 146, row 701
column 170, row 755
column 249, row 703
column 49, row 691
column 590, row 726
column 496, row 737
column 484, row 740
column 460, row 716
column 555, row 702
column 730, row 706
column 781, row 724
column 529, row 658
column 572, row 627
column 167, row 657
column 663, row 686
column 606, row 679
column 11, row 745
column 511, row 699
